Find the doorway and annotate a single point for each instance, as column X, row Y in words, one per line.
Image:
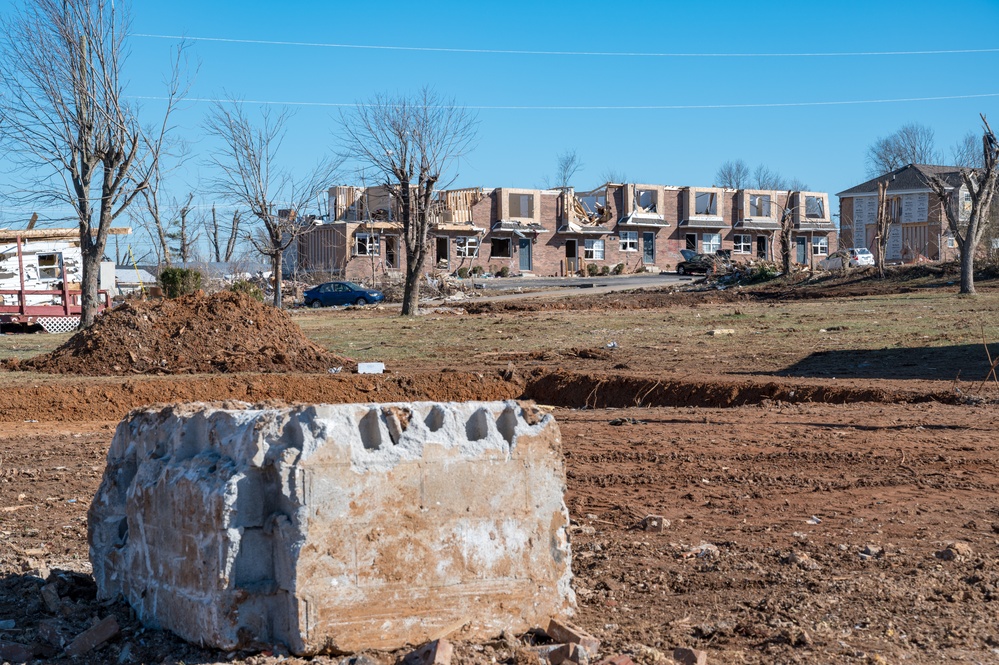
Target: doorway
column 391, row 252
column 648, row 248
column 761, row 248
column 444, row 252
column 800, row 244
column 524, row 249
column 571, row 256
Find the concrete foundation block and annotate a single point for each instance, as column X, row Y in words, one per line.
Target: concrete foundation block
column 335, row 527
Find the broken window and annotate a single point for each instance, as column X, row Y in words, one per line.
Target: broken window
column 820, row 245
column 48, row 266
column 467, row 246
column 645, row 199
column 964, row 211
column 742, row 244
column 501, row 248
column 522, row 205
column 366, row 244
column 815, row 207
column 706, row 203
column 710, row 243
column 690, row 242
column 629, row 241
column 759, row 205
column 593, row 249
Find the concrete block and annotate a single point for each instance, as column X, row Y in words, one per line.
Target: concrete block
column 335, row 527
column 685, row 656
column 563, row 631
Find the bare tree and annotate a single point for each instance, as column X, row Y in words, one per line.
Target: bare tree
column 732, row 174
column 786, row 227
column 613, row 175
column 912, row 143
column 766, row 178
column 969, row 224
column 567, row 166
column 67, row 119
column 882, row 225
column 222, row 239
column 185, row 234
column 248, row 174
column 967, row 153
column 411, row 143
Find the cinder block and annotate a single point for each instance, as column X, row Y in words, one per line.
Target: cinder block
column 335, row 527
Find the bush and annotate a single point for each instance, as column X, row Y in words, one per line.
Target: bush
column 477, row 270
column 178, row 282
column 592, row 269
column 503, row 272
column 604, row 270
column 618, row 269
column 463, row 272
column 249, row 288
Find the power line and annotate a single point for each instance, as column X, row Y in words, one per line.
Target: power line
column 662, row 107
column 617, row 54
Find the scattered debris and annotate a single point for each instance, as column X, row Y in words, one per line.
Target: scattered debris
column 93, row 637
column 655, row 523
column 686, row 656
column 370, row 368
column 871, row 552
column 566, row 632
column 802, row 560
column 956, row 551
column 703, row 551
column 438, row 652
column 722, row 331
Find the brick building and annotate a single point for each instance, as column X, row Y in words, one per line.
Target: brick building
column 559, row 232
column 919, row 229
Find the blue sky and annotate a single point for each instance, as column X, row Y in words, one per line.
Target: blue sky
column 822, row 145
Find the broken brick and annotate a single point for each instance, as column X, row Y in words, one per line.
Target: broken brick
column 93, row 637
column 51, row 598
column 620, row 659
column 14, row 652
column 566, row 632
column 654, row 523
column 438, row 652
column 686, row 656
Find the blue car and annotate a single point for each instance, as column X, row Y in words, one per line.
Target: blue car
column 341, row 293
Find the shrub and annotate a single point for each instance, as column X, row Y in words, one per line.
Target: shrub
column 249, row 288
column 618, row 269
column 503, row 272
column 592, row 269
column 604, row 270
column 477, row 270
column 178, row 282
column 463, row 272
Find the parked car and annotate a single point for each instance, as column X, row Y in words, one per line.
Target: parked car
column 341, row 293
column 853, row 257
column 704, row 263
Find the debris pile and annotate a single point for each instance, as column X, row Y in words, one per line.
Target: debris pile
column 198, row 333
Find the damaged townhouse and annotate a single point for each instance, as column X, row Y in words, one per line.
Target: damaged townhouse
column 621, row 227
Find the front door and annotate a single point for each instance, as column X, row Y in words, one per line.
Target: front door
column 443, row 252
column 524, row 249
column 801, row 244
column 571, row 256
column 761, row 247
column 648, row 248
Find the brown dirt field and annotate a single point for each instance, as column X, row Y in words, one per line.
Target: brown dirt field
column 810, row 516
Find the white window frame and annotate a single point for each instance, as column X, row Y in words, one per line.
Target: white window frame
column 367, row 244
column 593, row 249
column 629, row 241
column 710, row 243
column 820, row 245
column 466, row 247
column 742, row 243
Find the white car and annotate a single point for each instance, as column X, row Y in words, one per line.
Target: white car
column 853, row 257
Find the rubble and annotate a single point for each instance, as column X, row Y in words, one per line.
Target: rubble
column 336, row 527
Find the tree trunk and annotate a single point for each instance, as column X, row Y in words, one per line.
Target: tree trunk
column 276, row 268
column 411, row 292
column 91, row 282
column 967, row 269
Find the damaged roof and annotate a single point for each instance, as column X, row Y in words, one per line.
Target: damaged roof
column 909, row 177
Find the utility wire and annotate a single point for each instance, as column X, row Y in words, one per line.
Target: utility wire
column 618, row 54
column 662, row 107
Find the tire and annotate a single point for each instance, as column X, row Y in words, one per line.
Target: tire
column 315, row 304
column 679, row 270
column 361, row 301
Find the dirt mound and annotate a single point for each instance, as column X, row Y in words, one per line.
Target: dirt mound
column 222, row 332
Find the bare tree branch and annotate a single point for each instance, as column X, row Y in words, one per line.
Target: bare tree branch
column 412, row 144
column 68, row 122
column 912, row 143
column 732, row 174
column 248, row 174
column 567, row 166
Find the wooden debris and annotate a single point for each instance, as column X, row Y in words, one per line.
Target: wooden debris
column 93, row 637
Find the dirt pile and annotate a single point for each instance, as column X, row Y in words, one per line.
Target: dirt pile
column 222, row 332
